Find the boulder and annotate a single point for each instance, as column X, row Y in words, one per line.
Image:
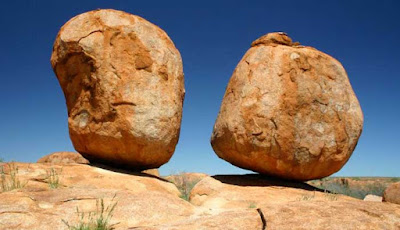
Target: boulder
column 288, row 111
column 123, row 83
column 392, row 193
column 63, row 158
column 374, row 198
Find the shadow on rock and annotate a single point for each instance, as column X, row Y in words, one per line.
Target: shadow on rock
column 259, row 180
column 126, row 171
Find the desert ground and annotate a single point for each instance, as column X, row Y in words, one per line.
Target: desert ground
column 60, row 193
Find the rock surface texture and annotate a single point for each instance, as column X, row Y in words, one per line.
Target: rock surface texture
column 142, row 201
column 63, row 158
column 288, row 111
column 123, row 82
column 293, row 205
column 392, row 193
column 147, row 202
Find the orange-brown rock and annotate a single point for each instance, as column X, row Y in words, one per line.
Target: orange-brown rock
column 392, row 193
column 292, row 205
column 146, row 202
column 63, row 158
column 153, row 172
column 288, row 111
column 123, row 83
column 142, row 201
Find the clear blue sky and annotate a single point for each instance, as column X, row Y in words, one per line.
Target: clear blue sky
column 212, row 36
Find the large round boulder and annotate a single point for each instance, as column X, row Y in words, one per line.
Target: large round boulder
column 392, row 193
column 123, row 83
column 288, row 111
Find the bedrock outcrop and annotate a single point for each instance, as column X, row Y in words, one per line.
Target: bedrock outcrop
column 123, row 82
column 288, row 111
column 142, row 201
column 293, row 205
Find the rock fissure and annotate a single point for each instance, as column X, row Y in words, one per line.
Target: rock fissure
column 262, row 217
column 96, row 31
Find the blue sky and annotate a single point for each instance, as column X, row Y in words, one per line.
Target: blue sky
column 212, row 36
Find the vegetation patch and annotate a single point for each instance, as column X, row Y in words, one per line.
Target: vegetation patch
column 252, row 205
column 53, row 178
column 97, row 220
column 307, row 197
column 184, row 185
column 354, row 187
column 330, row 196
column 394, row 179
column 9, row 179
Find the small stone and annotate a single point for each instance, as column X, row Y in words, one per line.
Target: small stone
column 374, row 198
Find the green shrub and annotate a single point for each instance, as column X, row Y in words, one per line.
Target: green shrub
column 252, row 205
column 184, row 185
column 9, row 180
column 395, row 179
column 356, row 192
column 98, row 220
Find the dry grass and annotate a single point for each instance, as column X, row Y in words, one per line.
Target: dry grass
column 307, row 197
column 184, row 185
column 9, row 179
column 53, row 178
column 330, row 196
column 97, row 220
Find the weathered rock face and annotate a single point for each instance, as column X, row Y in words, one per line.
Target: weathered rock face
column 288, row 111
column 392, row 193
column 142, row 201
column 293, row 205
column 123, row 82
column 147, row 202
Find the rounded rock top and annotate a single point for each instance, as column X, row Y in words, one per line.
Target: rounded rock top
column 273, row 38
